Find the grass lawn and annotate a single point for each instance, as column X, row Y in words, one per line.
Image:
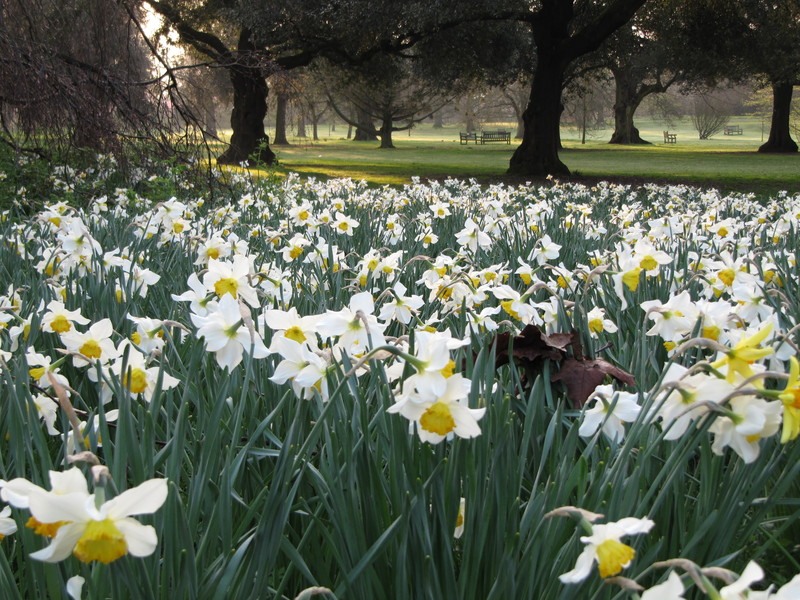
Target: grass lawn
column 725, row 162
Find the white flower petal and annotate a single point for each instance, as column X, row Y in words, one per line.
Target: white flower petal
column 141, row 539
column 144, row 499
column 62, row 544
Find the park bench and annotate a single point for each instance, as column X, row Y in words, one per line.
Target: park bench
column 670, row 138
column 733, row 130
column 495, row 136
column 468, row 137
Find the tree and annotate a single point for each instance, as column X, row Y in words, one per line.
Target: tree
column 707, row 117
column 386, row 90
column 752, row 38
column 562, row 32
column 252, row 39
column 641, row 57
column 76, row 74
column 774, row 30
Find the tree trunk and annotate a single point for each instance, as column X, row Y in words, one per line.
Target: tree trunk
column 537, row 155
column 438, row 123
column 280, row 120
column 626, row 101
column 386, row 132
column 249, row 140
column 315, row 130
column 301, row 125
column 780, row 137
column 365, row 132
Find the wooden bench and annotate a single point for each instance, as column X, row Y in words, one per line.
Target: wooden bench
column 488, row 137
column 733, row 130
column 670, row 138
column 466, row 138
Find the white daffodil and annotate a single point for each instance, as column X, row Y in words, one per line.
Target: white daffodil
column 432, row 363
column 442, row 417
column 740, row 589
column 48, row 411
column 598, row 322
column 671, row 589
column 682, row 400
column 750, row 420
column 401, row 307
column 138, row 378
column 610, row 410
column 462, row 508
column 345, row 224
column 8, row 526
column 197, row 295
column 514, row 303
column 232, row 279
column 355, row 326
column 101, row 533
column 75, row 587
column 545, row 251
column 289, row 324
column 604, row 547
column 149, row 334
column 92, row 345
column 226, row 335
column 472, row 237
column 789, row 591
column 40, row 367
column 59, row 320
column 673, row 319
column 306, row 369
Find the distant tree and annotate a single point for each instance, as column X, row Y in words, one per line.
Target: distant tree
column 641, row 56
column 388, row 92
column 708, row 117
column 751, row 38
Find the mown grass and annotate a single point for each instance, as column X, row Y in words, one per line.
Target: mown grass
column 729, row 163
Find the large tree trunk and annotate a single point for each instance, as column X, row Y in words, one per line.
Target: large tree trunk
column 438, row 122
column 537, row 155
column 626, row 100
column 365, row 132
column 280, row 120
column 780, row 137
column 249, row 140
column 386, row 132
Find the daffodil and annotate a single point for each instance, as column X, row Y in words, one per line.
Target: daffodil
column 98, row 531
column 93, row 345
column 8, row 526
column 443, row 416
column 288, row 323
column 737, row 363
column 671, row 589
column 684, row 398
column 306, row 369
column 604, row 547
column 674, row 319
column 59, row 320
column 401, row 308
column 232, row 279
column 139, row 379
column 790, row 396
column 748, row 420
column 608, row 412
column 355, row 326
column 226, row 335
